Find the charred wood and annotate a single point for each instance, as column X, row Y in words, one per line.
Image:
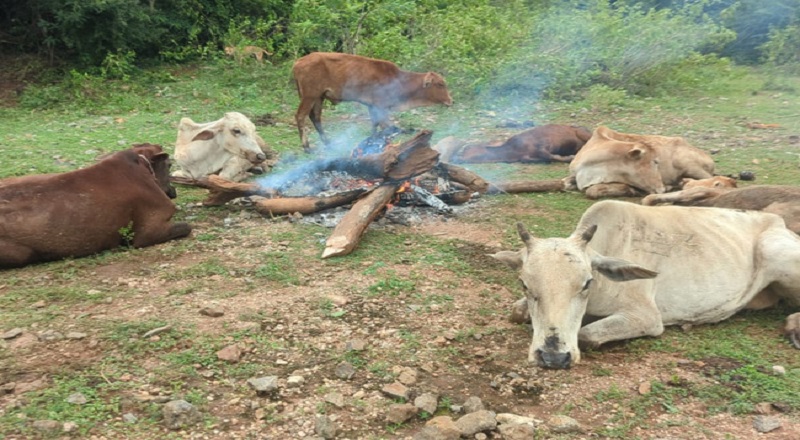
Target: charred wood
column 474, row 182
column 305, row 205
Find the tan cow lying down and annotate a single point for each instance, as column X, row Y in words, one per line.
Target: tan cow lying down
column 776, row 199
column 380, row 85
column 229, row 147
column 546, row 143
column 52, row 216
column 614, row 164
column 682, row 266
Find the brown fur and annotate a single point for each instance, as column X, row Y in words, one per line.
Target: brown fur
column 52, row 216
column 241, row 53
column 781, row 200
column 380, row 85
column 546, row 143
column 711, row 182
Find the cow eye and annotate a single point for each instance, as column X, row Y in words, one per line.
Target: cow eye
column 236, row 131
column 587, row 284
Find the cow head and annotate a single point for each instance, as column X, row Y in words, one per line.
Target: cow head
column 711, row 182
column 435, row 89
column 157, row 161
column 557, row 275
column 237, row 135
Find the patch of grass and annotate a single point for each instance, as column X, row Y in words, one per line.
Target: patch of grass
column 278, row 267
column 391, row 286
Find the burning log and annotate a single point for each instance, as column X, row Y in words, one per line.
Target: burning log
column 553, row 185
column 474, row 182
column 305, row 205
column 430, row 199
column 347, row 234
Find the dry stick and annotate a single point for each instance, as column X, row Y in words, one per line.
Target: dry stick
column 474, row 182
column 305, row 205
column 347, row 234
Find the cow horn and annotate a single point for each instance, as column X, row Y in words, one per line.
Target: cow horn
column 524, row 235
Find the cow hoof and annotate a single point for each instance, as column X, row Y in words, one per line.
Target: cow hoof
column 256, row 170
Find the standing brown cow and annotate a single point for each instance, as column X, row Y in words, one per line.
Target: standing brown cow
column 380, row 85
column 546, row 143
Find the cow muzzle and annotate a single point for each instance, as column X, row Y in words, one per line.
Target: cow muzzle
column 553, row 359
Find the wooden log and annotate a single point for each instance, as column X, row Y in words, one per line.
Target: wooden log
column 347, row 234
column 305, row 205
column 528, row 186
column 474, row 182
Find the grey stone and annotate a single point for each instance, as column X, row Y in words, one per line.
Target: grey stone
column 408, row 376
column 427, row 402
column 765, row 424
column 439, row 428
column 519, row 431
column 513, row 419
column 213, row 312
column 179, row 414
column 47, row 426
column 396, row 390
column 400, row 413
column 335, row 399
column 295, row 381
column 563, row 424
column 77, row 399
column 345, row 371
column 76, row 335
column 129, row 418
column 325, row 427
column 11, row 334
column 264, row 385
column 356, row 345
column 51, row 335
column 476, row 422
column 473, row 404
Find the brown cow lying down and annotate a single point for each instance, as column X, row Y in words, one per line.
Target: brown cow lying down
column 380, row 85
column 781, row 200
column 52, row 216
column 614, row 164
column 546, row 143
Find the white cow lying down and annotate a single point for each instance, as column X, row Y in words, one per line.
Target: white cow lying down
column 693, row 265
column 229, row 147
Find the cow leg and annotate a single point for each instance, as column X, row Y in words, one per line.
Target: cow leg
column 380, row 118
column 13, row 254
column 235, row 169
column 780, row 254
column 601, row 190
column 641, row 317
column 697, row 196
column 303, row 112
column 156, row 232
column 792, row 329
column 559, row 158
column 316, row 119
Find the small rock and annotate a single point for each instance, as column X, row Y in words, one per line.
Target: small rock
column 441, row 428
column 513, row 419
column 264, row 385
column 76, row 335
column 396, row 390
column 39, row 304
column 356, row 345
column 765, row 424
column 408, row 376
column 231, row 353
column 295, row 381
column 69, row 427
column 563, row 424
column 520, row 431
column 129, row 418
column 51, row 335
column 427, row 402
column 213, row 312
column 763, row 408
column 645, row 388
column 77, row 399
column 47, row 426
column 325, row 427
column 25, row 340
column 400, row 413
column 473, row 404
column 34, row 385
column 179, row 414
column 345, row 371
column 335, row 399
column 11, row 334
column 779, row 370
column 476, row 422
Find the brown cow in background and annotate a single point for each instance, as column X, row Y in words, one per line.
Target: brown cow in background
column 380, row 85
column 120, row 200
column 546, row 143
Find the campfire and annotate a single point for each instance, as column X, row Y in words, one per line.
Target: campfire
column 377, row 175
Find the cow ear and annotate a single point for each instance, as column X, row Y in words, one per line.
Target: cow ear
column 620, row 270
column 526, row 237
column 160, row 157
column 205, row 135
column 427, row 81
column 586, row 236
column 512, row 259
column 635, row 153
